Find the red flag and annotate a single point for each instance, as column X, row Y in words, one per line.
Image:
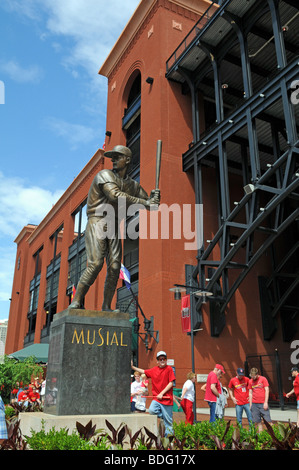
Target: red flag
column 186, row 314
column 124, row 274
column 73, row 292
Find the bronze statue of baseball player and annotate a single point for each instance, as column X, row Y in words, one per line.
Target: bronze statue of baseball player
column 107, row 188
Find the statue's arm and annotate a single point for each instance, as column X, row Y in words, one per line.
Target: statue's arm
column 153, row 198
column 112, row 192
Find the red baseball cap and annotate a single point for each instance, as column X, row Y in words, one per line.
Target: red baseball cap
column 220, row 367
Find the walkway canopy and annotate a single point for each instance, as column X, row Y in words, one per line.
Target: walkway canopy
column 39, row 351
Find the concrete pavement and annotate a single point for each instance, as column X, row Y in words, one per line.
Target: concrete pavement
column 276, row 414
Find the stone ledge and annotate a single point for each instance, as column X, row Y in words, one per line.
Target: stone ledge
column 78, row 312
column 135, row 421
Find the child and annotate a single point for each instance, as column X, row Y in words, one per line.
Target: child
column 187, row 397
column 140, row 404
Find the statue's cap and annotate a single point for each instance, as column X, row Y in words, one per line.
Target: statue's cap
column 118, row 150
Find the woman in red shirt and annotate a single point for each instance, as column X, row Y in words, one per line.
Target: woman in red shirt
column 295, row 389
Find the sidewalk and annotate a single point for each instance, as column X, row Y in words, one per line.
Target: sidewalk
column 203, row 414
column 276, row 414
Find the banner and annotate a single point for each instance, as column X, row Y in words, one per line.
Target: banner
column 186, row 314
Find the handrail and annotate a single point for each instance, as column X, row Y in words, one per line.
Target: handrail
column 184, row 43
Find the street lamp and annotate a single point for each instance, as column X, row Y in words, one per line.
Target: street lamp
column 204, row 295
column 178, row 289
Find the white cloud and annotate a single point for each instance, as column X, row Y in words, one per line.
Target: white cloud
column 26, row 9
column 82, row 33
column 75, row 134
column 7, row 262
column 21, row 204
column 92, row 25
column 22, row 74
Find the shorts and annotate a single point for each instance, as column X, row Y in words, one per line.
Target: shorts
column 258, row 412
column 297, row 404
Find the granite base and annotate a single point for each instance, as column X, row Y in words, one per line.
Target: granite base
column 89, row 365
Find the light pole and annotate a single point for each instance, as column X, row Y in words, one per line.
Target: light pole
column 178, row 289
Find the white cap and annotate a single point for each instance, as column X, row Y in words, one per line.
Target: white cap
column 161, row 353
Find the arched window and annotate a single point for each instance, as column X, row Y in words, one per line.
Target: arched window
column 131, row 128
column 131, row 125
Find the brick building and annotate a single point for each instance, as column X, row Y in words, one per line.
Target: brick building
column 214, row 82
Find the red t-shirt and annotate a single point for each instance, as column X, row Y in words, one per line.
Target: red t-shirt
column 241, row 391
column 258, row 389
column 33, row 396
column 161, row 376
column 23, row 396
column 296, row 386
column 212, row 379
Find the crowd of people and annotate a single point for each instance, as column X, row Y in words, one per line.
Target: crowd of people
column 23, row 395
column 33, row 393
column 248, row 394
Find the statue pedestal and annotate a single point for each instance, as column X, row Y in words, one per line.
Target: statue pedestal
column 89, row 363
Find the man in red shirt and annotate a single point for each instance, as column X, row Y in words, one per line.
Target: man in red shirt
column 23, row 398
column 258, row 398
column 239, row 393
column 295, row 389
column 163, row 378
column 213, row 389
column 34, row 396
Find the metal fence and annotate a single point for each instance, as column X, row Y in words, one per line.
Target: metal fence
column 276, row 368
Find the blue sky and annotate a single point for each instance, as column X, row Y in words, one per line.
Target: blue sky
column 54, row 112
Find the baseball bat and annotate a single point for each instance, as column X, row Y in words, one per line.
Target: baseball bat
column 158, row 162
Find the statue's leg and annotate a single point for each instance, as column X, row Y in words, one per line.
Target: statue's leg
column 95, row 251
column 109, row 289
column 113, row 269
column 78, row 299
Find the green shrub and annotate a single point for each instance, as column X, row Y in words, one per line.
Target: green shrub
column 220, row 435
column 62, row 440
column 10, row 412
column 200, row 434
column 223, row 435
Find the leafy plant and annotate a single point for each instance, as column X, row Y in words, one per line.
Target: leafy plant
column 10, row 412
column 22, row 408
column 62, row 440
column 144, row 442
column 14, row 439
column 200, row 435
column 132, row 438
column 161, row 441
column 118, row 435
column 289, row 434
column 219, row 441
column 240, row 442
column 86, row 432
column 221, row 435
